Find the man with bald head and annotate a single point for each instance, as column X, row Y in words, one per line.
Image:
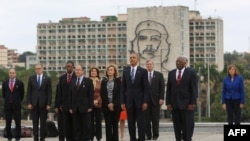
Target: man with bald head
column 13, row 93
column 181, row 97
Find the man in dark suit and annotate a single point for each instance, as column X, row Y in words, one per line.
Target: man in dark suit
column 65, row 121
column 13, row 93
column 81, row 104
column 181, row 96
column 39, row 100
column 59, row 116
column 156, row 99
column 134, row 95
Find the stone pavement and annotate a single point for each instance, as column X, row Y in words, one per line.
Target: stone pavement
column 203, row 132
column 164, row 136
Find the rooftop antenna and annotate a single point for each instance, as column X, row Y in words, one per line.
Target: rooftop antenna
column 195, row 3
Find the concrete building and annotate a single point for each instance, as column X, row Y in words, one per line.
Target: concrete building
column 31, row 61
column 83, row 41
column 9, row 57
column 3, row 56
column 161, row 38
column 174, row 31
column 206, row 40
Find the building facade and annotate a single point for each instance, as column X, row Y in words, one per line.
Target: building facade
column 9, row 57
column 3, row 56
column 85, row 42
column 206, row 40
column 173, row 32
column 31, row 61
column 161, row 38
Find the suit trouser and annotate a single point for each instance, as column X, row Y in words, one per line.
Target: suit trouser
column 183, row 124
column 16, row 113
column 233, row 111
column 96, row 123
column 136, row 115
column 152, row 120
column 111, row 124
column 39, row 114
column 81, row 126
column 60, row 125
column 68, row 126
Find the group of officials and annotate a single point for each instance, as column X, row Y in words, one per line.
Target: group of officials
column 140, row 90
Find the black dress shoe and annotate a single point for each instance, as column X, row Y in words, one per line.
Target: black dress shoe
column 155, row 138
column 148, row 138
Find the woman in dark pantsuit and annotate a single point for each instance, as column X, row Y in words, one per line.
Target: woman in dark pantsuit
column 110, row 92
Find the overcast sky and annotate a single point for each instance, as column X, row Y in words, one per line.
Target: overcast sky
column 19, row 18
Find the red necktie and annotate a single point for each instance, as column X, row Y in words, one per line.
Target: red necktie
column 78, row 83
column 69, row 78
column 11, row 85
column 178, row 80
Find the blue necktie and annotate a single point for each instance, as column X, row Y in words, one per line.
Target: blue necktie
column 132, row 75
column 38, row 82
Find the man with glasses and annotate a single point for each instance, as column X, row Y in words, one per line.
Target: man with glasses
column 39, row 101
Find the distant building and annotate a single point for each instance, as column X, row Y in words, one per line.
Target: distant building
column 157, row 33
column 3, row 56
column 31, row 61
column 9, row 57
column 85, row 42
column 206, row 40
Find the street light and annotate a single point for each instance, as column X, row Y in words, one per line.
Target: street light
column 208, row 89
column 201, row 79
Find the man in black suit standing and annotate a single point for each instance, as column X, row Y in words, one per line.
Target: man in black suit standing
column 65, row 121
column 39, row 100
column 181, row 96
column 13, row 93
column 156, row 99
column 134, row 95
column 81, row 104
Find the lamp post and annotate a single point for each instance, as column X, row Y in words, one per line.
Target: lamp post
column 201, row 78
column 208, row 89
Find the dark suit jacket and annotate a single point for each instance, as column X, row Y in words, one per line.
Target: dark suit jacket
column 63, row 91
column 16, row 96
column 180, row 96
column 42, row 95
column 157, row 88
column 57, row 96
column 116, row 94
column 83, row 97
column 137, row 91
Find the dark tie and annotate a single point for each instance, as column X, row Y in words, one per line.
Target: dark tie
column 38, row 82
column 178, row 80
column 132, row 75
column 150, row 77
column 78, row 83
column 69, row 78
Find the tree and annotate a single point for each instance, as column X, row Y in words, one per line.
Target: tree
column 22, row 57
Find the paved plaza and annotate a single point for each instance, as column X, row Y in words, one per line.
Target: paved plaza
column 164, row 136
column 203, row 132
